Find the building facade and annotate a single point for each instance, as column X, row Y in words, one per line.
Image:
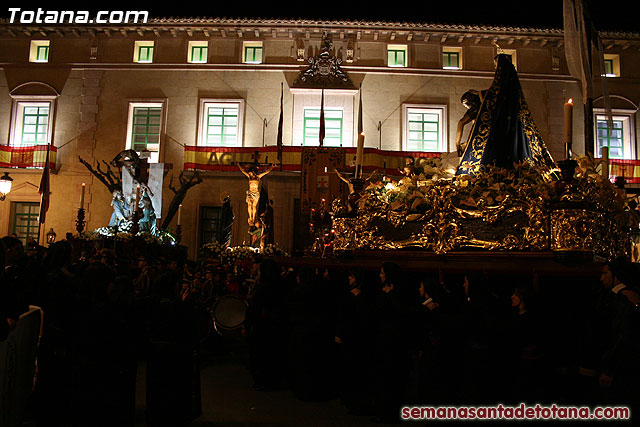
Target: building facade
column 178, row 88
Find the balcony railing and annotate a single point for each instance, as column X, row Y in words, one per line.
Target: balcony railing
column 27, row 157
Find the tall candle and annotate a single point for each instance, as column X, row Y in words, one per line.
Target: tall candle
column 179, row 214
column 359, row 153
column 137, row 198
column 82, row 196
column 605, row 162
column 568, row 126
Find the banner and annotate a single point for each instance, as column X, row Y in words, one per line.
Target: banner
column 629, row 169
column 223, row 158
column 27, row 157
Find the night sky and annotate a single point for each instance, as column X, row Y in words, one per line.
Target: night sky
column 607, row 15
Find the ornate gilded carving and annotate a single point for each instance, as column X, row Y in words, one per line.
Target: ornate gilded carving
column 498, row 209
column 572, row 229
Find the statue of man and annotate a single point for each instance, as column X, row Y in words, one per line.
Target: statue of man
column 472, row 100
column 354, row 196
column 226, row 220
column 266, row 218
column 120, row 209
column 253, row 194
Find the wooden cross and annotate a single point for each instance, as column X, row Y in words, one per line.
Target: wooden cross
column 255, row 157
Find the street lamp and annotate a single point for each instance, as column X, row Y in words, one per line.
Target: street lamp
column 51, row 236
column 5, row 185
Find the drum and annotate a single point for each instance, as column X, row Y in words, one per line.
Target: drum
column 228, row 314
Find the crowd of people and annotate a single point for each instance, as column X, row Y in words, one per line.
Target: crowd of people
column 102, row 314
column 380, row 340
column 376, row 340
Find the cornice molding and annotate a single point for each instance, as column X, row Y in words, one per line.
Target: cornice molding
column 360, row 30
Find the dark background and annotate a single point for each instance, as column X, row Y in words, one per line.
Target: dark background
column 607, row 15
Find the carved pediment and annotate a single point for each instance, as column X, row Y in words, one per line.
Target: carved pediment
column 25, row 189
column 324, row 71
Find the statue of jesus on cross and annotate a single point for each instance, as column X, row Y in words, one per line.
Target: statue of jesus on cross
column 253, row 194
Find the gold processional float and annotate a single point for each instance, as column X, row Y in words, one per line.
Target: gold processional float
column 504, row 194
column 517, row 209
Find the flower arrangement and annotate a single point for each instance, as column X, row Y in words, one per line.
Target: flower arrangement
column 160, row 237
column 489, row 188
column 274, row 250
column 216, row 252
column 497, row 208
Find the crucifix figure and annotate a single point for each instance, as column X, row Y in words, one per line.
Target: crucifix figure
column 253, row 194
column 355, row 186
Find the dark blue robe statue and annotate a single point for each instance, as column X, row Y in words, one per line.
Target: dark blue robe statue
column 148, row 221
column 504, row 132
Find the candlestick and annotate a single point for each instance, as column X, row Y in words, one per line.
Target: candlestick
column 135, row 219
column 568, row 126
column 80, row 222
column 82, row 196
column 179, row 214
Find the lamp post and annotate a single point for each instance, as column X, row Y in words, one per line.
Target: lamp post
column 5, row 185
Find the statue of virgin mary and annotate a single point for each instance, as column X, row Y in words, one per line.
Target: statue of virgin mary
column 504, row 132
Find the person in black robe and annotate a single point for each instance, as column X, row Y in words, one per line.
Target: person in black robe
column 396, row 305
column 267, row 328
column 173, row 375
column 617, row 305
column 226, row 220
column 6, row 322
column 350, row 337
column 18, row 287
